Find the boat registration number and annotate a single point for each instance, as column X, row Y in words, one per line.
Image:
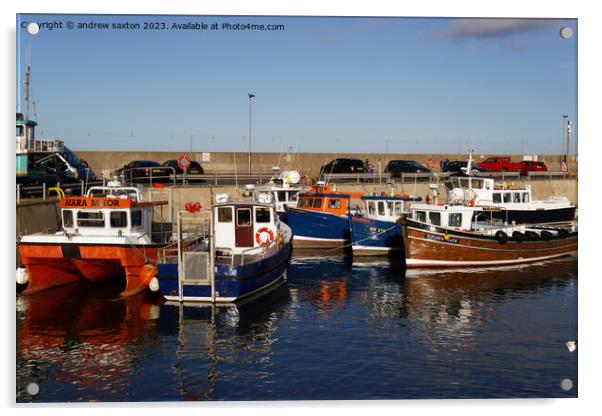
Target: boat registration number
column 376, row 230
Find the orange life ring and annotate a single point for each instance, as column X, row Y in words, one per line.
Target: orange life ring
column 269, row 239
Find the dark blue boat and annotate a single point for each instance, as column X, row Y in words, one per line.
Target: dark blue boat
column 374, row 229
column 249, row 253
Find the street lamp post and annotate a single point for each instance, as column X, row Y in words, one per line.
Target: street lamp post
column 564, row 138
column 250, row 97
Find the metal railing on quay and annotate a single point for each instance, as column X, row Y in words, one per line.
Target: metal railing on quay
column 548, row 175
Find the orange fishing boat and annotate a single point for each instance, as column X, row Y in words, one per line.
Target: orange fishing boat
column 107, row 233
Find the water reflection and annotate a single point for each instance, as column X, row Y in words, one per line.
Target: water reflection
column 82, row 339
column 211, row 337
column 381, row 331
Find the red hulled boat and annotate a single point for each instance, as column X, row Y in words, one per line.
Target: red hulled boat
column 110, row 232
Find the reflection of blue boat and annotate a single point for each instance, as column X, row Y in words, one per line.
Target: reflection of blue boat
column 374, row 230
column 249, row 253
column 320, row 218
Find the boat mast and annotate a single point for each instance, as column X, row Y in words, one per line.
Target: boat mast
column 26, row 82
column 469, row 167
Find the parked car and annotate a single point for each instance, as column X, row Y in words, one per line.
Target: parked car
column 500, row 164
column 396, row 167
column 343, row 165
column 195, row 168
column 144, row 169
column 532, row 166
column 459, row 166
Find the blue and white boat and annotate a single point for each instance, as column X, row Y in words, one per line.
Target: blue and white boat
column 320, row 217
column 374, row 228
column 246, row 251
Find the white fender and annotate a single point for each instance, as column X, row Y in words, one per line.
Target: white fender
column 22, row 276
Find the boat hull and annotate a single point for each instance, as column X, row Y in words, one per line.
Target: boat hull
column 370, row 237
column 438, row 248
column 50, row 265
column 312, row 229
column 232, row 283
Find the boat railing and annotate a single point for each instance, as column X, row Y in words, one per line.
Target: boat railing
column 188, row 243
column 228, row 256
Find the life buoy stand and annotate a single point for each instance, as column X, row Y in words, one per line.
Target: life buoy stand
column 501, row 237
column 268, row 241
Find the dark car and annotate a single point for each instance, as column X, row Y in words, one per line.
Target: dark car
column 195, row 168
column 144, row 169
column 343, row 165
column 459, row 166
column 396, row 167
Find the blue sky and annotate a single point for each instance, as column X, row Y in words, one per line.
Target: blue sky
column 409, row 85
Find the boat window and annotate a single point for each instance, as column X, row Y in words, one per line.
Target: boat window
column 90, row 219
column 136, row 218
column 262, row 214
column 67, row 218
column 224, row 214
column 477, row 183
column 19, row 131
column 455, row 219
column 371, row 207
column 334, row 203
column 435, row 218
column 488, row 185
column 119, row 219
column 292, row 196
column 317, row 202
column 398, row 207
column 497, row 197
column 420, row 216
column 507, row 197
column 390, row 207
column 515, row 197
column 525, row 196
column 381, row 207
column 281, row 196
column 243, row 217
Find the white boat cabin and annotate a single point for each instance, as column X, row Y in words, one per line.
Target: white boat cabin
column 281, row 196
column 110, row 211
column 486, row 192
column 386, row 208
column 242, row 226
column 284, row 188
column 458, row 217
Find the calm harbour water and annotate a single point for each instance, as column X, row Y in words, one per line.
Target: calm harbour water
column 336, row 329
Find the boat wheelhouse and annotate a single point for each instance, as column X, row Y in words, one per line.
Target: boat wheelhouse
column 446, row 235
column 515, row 202
column 284, row 188
column 246, row 252
column 320, row 218
column 374, row 228
column 109, row 232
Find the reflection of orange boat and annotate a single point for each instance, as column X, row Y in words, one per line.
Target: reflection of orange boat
column 95, row 333
column 105, row 234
